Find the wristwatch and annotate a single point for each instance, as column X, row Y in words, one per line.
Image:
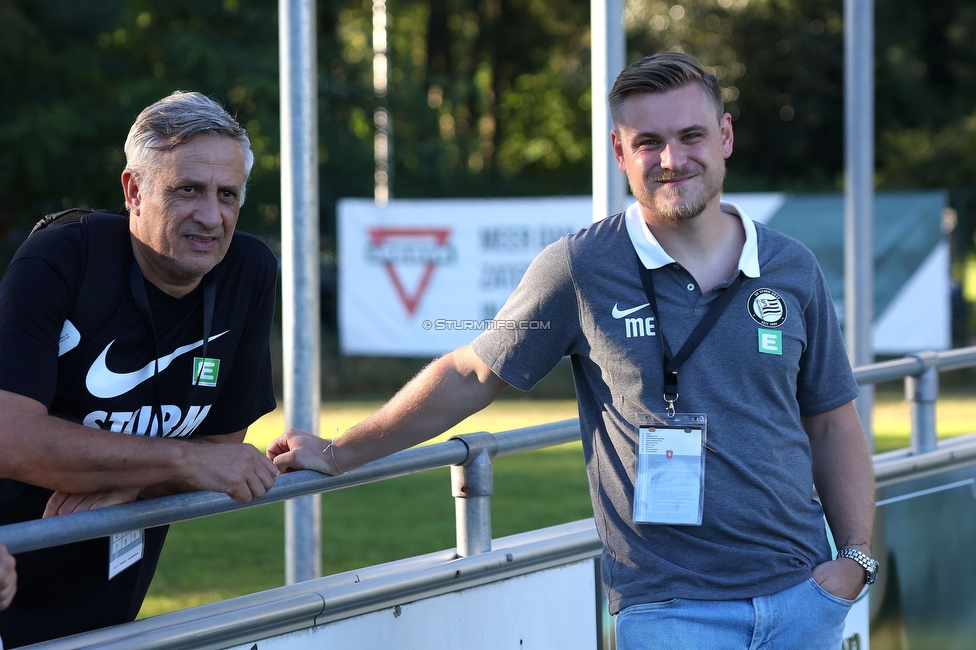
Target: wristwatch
column 870, row 565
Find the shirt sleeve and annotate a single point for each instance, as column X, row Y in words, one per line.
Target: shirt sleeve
column 36, row 296
column 537, row 326
column 825, row 380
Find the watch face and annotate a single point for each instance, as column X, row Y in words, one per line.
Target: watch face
column 873, row 571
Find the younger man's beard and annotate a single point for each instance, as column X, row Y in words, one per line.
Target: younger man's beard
column 680, row 212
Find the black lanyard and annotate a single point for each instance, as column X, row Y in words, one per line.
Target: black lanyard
column 673, row 362
column 138, row 286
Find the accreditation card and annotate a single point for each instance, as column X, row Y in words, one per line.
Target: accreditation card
column 670, row 482
column 124, row 550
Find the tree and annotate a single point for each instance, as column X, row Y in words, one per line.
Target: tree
column 780, row 63
column 80, row 72
column 487, row 97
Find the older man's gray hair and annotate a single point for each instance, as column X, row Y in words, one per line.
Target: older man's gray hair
column 174, row 120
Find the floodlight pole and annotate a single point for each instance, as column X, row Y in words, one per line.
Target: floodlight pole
column 300, row 266
column 383, row 135
column 607, row 55
column 859, row 195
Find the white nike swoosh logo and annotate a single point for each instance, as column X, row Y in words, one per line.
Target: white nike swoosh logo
column 627, row 312
column 105, row 384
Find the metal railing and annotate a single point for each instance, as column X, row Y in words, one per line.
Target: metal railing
column 470, row 457
column 300, row 606
column 921, row 374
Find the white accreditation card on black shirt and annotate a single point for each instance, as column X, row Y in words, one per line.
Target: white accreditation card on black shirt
column 124, row 550
column 670, row 469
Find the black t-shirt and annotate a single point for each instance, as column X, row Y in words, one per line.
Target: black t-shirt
column 107, row 379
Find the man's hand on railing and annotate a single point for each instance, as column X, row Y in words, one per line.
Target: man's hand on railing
column 64, row 503
column 443, row 394
column 238, row 470
column 296, row 449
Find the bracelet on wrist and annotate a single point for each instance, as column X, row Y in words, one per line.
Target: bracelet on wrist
column 330, row 451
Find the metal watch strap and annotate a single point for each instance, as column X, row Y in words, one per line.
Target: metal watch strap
column 869, row 564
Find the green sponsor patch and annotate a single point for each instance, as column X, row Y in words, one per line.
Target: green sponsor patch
column 205, row 371
column 770, row 341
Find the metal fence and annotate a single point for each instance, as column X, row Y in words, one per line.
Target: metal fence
column 470, row 458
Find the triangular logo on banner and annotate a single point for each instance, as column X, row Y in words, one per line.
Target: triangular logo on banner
column 395, row 247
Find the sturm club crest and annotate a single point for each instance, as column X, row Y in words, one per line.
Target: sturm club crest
column 767, row 308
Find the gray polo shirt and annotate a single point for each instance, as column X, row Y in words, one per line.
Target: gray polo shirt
column 776, row 354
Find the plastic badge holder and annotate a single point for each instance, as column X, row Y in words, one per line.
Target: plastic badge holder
column 670, row 469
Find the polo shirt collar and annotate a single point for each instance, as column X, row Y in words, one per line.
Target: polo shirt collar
column 653, row 256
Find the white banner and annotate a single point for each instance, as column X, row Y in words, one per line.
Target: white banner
column 420, row 278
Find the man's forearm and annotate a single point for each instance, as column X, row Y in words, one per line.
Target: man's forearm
column 844, row 476
column 444, row 393
column 69, row 458
column 50, row 452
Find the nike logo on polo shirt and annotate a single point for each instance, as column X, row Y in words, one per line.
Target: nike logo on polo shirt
column 105, row 384
column 627, row 312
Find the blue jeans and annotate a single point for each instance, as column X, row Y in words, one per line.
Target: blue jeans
column 804, row 617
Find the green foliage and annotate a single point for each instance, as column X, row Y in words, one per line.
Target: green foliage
column 46, row 127
column 926, row 94
column 81, row 72
column 489, row 98
column 781, row 66
column 486, row 98
column 940, row 158
column 926, row 63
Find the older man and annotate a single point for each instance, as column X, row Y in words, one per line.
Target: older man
column 153, row 392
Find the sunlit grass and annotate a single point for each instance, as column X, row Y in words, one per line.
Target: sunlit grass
column 955, row 415
column 502, row 415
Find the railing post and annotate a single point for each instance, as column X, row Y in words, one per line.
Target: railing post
column 472, row 485
column 922, row 392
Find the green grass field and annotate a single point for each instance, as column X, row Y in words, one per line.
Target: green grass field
column 242, row 552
